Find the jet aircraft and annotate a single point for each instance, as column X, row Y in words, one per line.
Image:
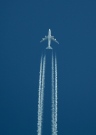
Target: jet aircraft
column 49, row 37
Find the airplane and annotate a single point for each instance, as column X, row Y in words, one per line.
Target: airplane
column 49, row 37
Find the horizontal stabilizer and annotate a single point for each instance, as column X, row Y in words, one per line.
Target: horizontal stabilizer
column 49, row 47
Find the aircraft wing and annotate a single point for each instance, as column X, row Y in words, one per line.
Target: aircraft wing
column 54, row 40
column 43, row 39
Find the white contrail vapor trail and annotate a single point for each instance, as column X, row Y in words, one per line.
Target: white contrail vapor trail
column 53, row 108
column 56, row 98
column 41, row 95
column 39, row 100
column 42, row 91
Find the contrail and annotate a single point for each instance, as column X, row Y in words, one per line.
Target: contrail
column 42, row 90
column 56, row 99
column 53, row 108
column 39, row 100
column 54, row 96
column 41, row 95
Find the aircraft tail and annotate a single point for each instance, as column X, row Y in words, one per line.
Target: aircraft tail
column 49, row 47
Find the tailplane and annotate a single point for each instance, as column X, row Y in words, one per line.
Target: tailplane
column 49, row 47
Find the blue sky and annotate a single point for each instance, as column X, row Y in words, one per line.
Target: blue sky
column 22, row 25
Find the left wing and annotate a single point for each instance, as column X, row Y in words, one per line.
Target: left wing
column 43, row 39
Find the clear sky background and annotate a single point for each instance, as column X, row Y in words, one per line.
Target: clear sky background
column 22, row 25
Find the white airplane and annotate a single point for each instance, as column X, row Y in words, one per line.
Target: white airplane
column 49, row 37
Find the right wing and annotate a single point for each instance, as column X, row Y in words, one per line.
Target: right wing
column 54, row 40
column 43, row 39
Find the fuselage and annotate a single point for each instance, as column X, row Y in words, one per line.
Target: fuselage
column 49, row 38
